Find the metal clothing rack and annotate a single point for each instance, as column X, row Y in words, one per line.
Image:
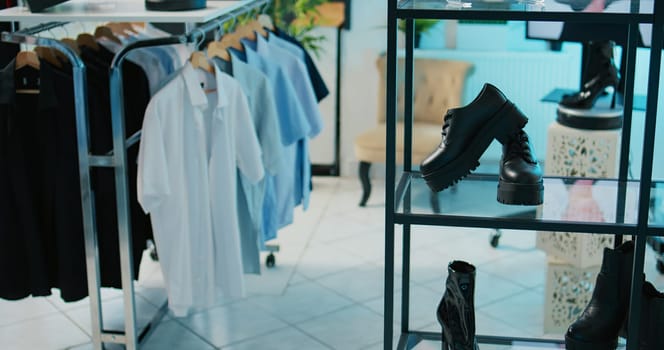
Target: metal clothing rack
column 116, row 159
column 399, row 209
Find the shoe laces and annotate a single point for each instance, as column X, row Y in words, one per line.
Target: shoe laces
column 518, row 146
column 446, row 123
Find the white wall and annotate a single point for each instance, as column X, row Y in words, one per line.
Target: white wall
column 361, row 45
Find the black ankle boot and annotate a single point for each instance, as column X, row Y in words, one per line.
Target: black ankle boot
column 652, row 319
column 600, row 73
column 599, row 325
column 456, row 311
column 467, row 133
column 520, row 180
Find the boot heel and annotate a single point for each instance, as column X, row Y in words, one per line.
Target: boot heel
column 613, row 99
column 511, row 120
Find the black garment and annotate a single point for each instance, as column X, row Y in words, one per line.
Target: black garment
column 136, row 98
column 7, row 51
column 41, row 229
column 320, row 89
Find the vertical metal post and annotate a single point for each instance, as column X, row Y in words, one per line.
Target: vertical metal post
column 122, row 201
column 89, row 227
column 390, row 158
column 337, row 104
column 408, row 97
column 625, row 140
column 646, row 175
column 407, row 163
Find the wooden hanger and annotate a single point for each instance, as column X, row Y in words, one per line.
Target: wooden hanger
column 49, row 55
column 246, row 31
column 108, row 33
column 31, row 60
column 217, row 49
column 266, row 22
column 231, row 40
column 87, row 40
column 122, row 28
column 72, row 44
column 27, row 59
column 200, row 61
column 258, row 27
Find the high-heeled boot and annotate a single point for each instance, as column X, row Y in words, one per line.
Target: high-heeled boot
column 456, row 311
column 467, row 133
column 597, row 328
column 600, row 73
column 652, row 319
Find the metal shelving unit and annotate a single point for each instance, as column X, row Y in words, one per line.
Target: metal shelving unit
column 632, row 216
column 210, row 19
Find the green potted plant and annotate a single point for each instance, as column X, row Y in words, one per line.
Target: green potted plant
column 297, row 18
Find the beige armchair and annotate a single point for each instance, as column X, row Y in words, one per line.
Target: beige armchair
column 437, row 86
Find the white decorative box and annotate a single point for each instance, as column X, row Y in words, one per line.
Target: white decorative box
column 568, row 291
column 579, row 153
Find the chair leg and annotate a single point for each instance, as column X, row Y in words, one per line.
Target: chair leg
column 366, row 182
column 435, row 202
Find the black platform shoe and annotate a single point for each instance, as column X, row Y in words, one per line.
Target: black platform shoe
column 601, row 72
column 599, row 325
column 520, row 181
column 467, row 133
column 652, row 319
column 456, row 311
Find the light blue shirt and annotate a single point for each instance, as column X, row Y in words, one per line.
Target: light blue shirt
column 279, row 200
column 287, row 45
column 297, row 71
column 251, row 196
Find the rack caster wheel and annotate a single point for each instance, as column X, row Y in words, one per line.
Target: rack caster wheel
column 270, row 261
column 660, row 266
column 494, row 238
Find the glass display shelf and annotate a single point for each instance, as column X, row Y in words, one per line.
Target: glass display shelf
column 619, row 11
column 570, row 205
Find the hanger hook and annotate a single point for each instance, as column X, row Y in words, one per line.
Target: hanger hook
column 264, row 7
column 220, row 29
column 200, row 41
column 232, row 27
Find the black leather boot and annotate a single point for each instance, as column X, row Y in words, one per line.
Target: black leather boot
column 467, row 133
column 456, row 311
column 520, row 180
column 652, row 319
column 600, row 73
column 599, row 325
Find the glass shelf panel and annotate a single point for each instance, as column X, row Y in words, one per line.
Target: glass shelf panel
column 566, row 201
column 618, row 7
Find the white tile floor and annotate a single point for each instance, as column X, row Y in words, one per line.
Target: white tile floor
column 326, row 291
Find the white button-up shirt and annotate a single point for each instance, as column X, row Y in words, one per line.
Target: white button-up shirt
column 192, row 143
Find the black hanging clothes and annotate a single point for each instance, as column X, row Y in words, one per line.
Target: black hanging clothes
column 42, row 236
column 7, row 51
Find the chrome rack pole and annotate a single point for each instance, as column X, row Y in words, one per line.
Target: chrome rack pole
column 84, row 159
column 119, row 162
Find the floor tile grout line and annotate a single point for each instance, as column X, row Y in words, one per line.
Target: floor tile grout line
column 313, row 337
column 33, row 318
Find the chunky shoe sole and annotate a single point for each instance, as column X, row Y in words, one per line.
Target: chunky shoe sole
column 507, row 120
column 573, row 344
column 520, row 194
